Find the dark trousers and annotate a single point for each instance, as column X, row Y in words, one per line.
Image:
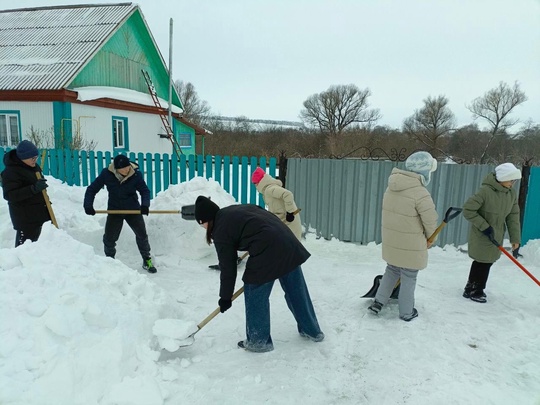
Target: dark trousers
column 23, row 235
column 113, row 227
column 479, row 274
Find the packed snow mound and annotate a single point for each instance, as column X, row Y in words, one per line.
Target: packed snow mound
column 73, row 321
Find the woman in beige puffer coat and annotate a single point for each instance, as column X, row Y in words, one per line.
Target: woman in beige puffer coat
column 279, row 200
column 408, row 220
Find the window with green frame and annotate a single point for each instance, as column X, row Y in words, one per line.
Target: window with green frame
column 120, row 133
column 10, row 128
column 184, row 140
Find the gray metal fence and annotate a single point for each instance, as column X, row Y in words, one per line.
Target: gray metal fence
column 343, row 198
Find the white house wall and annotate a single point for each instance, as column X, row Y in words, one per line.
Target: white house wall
column 36, row 115
column 96, row 125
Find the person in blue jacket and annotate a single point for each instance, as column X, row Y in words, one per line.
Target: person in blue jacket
column 275, row 253
column 123, row 180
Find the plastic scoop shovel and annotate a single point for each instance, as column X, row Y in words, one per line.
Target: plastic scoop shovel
column 188, row 341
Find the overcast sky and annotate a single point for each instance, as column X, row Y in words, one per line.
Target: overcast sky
column 262, row 59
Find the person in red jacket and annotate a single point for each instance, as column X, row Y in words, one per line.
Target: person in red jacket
column 274, row 254
column 23, row 191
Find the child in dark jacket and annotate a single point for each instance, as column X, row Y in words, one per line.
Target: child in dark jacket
column 123, row 180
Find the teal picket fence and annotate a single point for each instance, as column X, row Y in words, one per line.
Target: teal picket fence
column 233, row 173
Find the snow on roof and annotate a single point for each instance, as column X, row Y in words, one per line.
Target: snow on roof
column 116, row 93
column 43, row 48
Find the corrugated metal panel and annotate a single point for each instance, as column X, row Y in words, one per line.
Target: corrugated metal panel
column 42, row 48
column 343, row 198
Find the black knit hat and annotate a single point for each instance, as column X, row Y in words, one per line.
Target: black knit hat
column 205, row 209
column 121, row 161
column 26, row 150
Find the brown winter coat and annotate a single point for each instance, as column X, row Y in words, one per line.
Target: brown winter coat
column 280, row 201
column 408, row 220
column 496, row 206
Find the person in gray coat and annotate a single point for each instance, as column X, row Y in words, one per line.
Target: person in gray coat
column 408, row 220
column 492, row 210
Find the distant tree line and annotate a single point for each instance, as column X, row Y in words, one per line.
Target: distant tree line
column 339, row 123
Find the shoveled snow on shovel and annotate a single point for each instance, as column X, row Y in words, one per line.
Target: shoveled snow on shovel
column 174, row 333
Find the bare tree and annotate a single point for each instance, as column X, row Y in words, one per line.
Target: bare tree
column 336, row 109
column 433, row 120
column 195, row 109
column 494, row 107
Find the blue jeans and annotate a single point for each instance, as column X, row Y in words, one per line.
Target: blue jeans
column 257, row 302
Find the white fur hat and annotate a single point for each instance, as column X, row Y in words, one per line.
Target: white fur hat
column 507, row 172
column 422, row 163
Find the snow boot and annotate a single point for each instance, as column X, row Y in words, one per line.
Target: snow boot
column 410, row 317
column 318, row 338
column 477, row 294
column 467, row 290
column 375, row 307
column 148, row 266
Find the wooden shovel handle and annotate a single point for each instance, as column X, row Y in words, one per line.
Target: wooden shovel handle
column 48, row 202
column 216, row 311
column 137, row 212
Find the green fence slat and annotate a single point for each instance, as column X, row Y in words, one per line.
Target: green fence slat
column 262, row 164
column 191, row 160
column 235, row 177
column 244, row 168
column 226, row 174
column 209, row 167
column 157, row 173
column 252, row 190
column 217, row 169
column 166, row 171
column 149, row 177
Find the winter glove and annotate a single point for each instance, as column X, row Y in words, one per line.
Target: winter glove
column 144, row 210
column 39, row 186
column 90, row 210
column 489, row 232
column 224, row 304
column 516, row 253
column 289, row 217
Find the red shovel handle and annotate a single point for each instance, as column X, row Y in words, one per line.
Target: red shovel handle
column 519, row 264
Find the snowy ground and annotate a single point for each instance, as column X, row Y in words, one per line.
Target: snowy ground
column 77, row 328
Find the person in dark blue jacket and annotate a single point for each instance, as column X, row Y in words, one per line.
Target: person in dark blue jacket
column 24, row 192
column 275, row 253
column 123, row 180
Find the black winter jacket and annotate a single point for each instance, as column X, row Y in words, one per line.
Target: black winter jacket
column 273, row 249
column 122, row 194
column 27, row 210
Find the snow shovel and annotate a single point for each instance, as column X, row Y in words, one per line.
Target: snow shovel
column 191, row 338
column 450, row 214
column 492, row 239
column 188, row 212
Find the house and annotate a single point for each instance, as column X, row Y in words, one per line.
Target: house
column 74, row 77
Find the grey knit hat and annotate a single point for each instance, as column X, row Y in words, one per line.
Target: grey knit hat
column 422, row 163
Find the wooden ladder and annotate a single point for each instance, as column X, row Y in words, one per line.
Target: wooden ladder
column 162, row 114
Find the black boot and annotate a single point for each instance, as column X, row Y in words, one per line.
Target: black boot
column 467, row 290
column 477, row 294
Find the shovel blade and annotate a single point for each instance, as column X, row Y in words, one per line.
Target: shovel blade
column 376, row 283
column 373, row 291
